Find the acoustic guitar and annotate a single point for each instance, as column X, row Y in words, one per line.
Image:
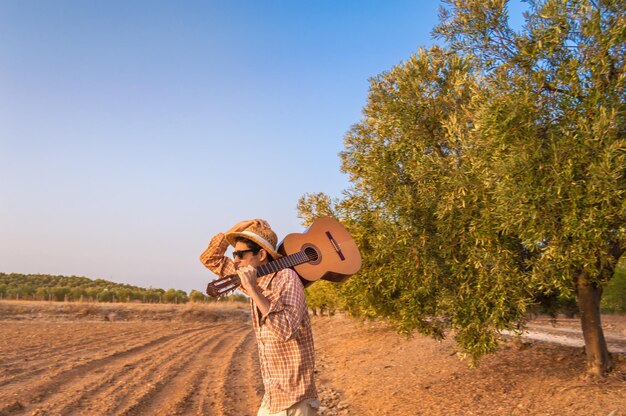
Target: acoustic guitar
column 324, row 251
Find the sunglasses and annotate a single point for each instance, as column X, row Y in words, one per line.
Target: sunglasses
column 240, row 253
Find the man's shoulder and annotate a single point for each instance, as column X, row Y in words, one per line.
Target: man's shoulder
column 288, row 275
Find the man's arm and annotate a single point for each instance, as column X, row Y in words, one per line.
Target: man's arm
column 249, row 283
column 213, row 257
column 282, row 309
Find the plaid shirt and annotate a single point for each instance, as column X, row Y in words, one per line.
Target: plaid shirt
column 284, row 336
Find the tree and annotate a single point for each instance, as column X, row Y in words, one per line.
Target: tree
column 554, row 129
column 175, row 296
column 321, row 297
column 196, row 296
column 419, row 209
column 491, row 175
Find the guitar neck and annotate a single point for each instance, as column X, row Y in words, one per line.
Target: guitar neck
column 282, row 263
column 225, row 284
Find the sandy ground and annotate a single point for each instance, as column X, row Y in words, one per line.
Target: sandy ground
column 76, row 359
column 129, row 360
column 377, row 372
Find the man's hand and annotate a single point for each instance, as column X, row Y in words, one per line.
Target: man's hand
column 248, row 276
column 242, row 225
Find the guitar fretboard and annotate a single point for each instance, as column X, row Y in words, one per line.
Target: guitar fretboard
column 282, row 263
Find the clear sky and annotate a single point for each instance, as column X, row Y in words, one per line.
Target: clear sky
column 132, row 131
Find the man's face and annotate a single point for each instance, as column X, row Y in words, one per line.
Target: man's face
column 247, row 258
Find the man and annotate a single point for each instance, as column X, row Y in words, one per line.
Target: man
column 279, row 317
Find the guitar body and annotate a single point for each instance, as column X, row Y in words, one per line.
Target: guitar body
column 337, row 255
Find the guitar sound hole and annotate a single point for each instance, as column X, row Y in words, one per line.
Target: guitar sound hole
column 311, row 254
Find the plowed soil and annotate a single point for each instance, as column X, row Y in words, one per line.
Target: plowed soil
column 85, row 359
column 153, row 362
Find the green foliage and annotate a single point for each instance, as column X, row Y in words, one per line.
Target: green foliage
column 322, row 297
column 175, row 296
column 234, row 297
column 614, row 297
column 311, row 206
column 489, row 176
column 196, row 296
column 74, row 288
column 553, row 131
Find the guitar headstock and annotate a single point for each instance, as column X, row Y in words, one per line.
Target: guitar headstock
column 223, row 285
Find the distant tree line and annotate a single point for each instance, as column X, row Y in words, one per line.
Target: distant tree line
column 45, row 287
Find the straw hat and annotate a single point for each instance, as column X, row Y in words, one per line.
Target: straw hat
column 261, row 234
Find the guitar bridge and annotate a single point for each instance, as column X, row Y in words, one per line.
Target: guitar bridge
column 336, row 246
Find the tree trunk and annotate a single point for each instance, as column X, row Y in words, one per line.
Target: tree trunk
column 598, row 358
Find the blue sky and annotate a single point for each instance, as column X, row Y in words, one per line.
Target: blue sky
column 132, row 131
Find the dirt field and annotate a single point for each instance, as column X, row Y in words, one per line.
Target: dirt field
column 82, row 359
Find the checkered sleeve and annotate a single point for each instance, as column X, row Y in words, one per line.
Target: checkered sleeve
column 213, row 257
column 287, row 306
